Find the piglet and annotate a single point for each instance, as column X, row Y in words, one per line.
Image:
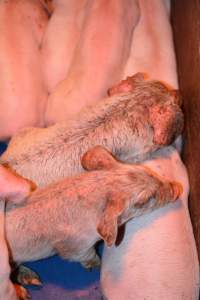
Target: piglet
column 130, row 124
column 13, row 189
column 68, row 217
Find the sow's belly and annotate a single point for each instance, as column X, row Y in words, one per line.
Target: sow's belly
column 157, row 257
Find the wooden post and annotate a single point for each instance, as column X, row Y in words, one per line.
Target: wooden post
column 186, row 27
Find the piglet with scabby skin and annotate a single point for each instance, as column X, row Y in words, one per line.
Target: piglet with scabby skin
column 131, row 124
column 68, row 217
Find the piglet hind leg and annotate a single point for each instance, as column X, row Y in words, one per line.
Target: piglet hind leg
column 21, row 292
column 24, row 275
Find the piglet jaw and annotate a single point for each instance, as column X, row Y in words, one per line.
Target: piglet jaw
column 169, row 192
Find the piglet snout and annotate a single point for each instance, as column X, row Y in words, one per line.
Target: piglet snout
column 177, row 190
column 169, row 192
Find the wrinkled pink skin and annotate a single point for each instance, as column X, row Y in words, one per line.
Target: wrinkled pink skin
column 152, row 49
column 100, row 37
column 22, row 92
column 157, row 258
column 74, row 58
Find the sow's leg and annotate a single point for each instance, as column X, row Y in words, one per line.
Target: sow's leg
column 157, row 258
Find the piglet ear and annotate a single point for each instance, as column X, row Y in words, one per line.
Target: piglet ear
column 138, row 77
column 108, row 224
column 127, row 85
column 98, row 158
column 13, row 187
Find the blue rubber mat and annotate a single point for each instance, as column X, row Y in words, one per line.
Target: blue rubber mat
column 63, row 280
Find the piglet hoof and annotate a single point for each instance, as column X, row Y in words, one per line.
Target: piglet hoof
column 26, row 276
column 92, row 263
column 21, row 292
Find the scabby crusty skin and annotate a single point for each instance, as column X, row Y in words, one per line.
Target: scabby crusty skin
column 83, row 213
column 125, row 124
column 165, row 118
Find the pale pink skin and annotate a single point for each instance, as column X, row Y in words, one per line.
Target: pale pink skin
column 14, row 189
column 7, row 290
column 152, row 49
column 65, row 25
column 100, row 38
column 22, row 92
column 157, row 258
